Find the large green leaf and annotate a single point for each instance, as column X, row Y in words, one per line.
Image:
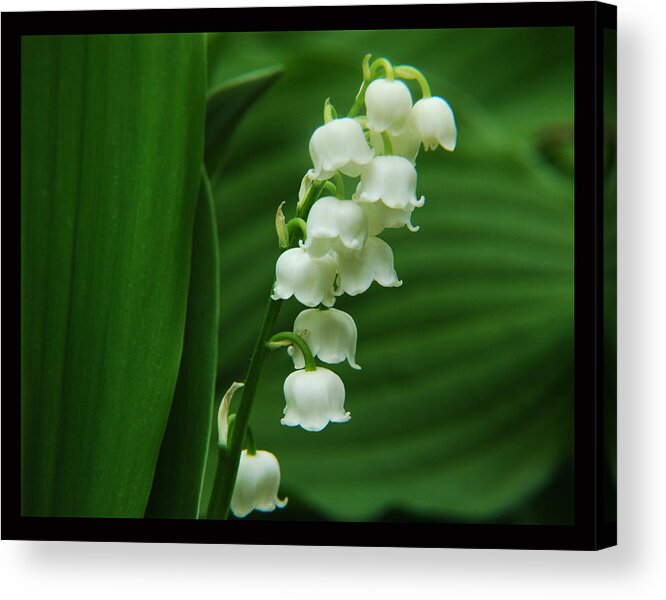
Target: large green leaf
column 112, row 144
column 178, row 477
column 226, row 105
column 463, row 409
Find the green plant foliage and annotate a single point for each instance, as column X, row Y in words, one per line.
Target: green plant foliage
column 226, row 105
column 463, row 409
column 178, row 477
column 112, row 144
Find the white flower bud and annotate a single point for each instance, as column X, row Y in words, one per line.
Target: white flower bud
column 389, row 104
column 335, row 225
column 281, row 227
column 331, row 335
column 390, row 180
column 306, row 184
column 257, row 484
column 314, row 398
column 309, row 279
column 339, row 145
column 432, row 119
column 357, row 270
column 223, row 415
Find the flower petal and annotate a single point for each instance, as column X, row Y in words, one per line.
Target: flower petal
column 358, row 270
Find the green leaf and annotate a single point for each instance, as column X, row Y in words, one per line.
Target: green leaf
column 226, row 105
column 112, row 144
column 463, row 408
column 178, row 476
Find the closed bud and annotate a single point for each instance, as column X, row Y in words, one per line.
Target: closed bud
column 432, row 119
column 331, row 335
column 389, row 104
column 257, row 484
column 334, row 224
column 314, row 399
column 309, row 279
column 339, row 145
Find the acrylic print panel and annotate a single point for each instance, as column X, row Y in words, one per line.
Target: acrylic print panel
column 463, row 410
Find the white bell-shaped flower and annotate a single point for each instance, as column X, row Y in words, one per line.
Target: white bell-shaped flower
column 314, row 398
column 390, row 180
column 382, row 217
column 357, row 270
column 432, row 119
column 406, row 144
column 331, row 335
column 335, row 224
column 257, row 484
column 389, row 105
column 309, row 279
column 339, row 145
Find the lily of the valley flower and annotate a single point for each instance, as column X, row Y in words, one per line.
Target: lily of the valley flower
column 382, row 217
column 309, row 279
column 335, row 225
column 257, row 484
column 331, row 335
column 357, row 270
column 390, row 180
column 389, row 105
column 405, row 144
column 314, row 399
column 432, row 119
column 339, row 145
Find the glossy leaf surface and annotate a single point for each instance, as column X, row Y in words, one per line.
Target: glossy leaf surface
column 112, row 144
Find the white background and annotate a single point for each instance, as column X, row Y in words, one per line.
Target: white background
column 632, row 570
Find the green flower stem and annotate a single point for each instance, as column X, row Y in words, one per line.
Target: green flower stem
column 310, row 199
column 407, row 72
column 225, row 477
column 330, row 187
column 359, row 100
column 339, row 186
column 388, row 146
column 251, row 446
column 288, row 336
column 379, row 63
column 294, row 227
column 365, row 66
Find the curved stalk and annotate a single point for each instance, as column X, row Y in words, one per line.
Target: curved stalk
column 225, row 477
column 339, row 186
column 296, row 226
column 288, row 336
column 408, row 72
column 384, row 63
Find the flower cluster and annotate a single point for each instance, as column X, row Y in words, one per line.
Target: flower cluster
column 332, row 246
column 341, row 252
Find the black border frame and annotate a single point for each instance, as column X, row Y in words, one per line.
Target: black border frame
column 589, row 531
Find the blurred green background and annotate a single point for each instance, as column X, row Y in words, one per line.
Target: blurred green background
column 463, row 409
